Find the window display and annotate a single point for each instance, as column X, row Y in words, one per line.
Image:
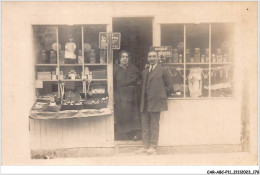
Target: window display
column 206, row 67
column 70, row 65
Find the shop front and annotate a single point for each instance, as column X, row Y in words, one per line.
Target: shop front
column 74, row 89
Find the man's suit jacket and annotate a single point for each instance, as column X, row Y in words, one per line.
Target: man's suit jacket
column 158, row 82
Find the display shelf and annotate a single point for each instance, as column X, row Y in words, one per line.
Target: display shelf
column 97, row 64
column 216, row 63
column 46, row 80
column 70, row 64
column 71, row 80
column 171, row 64
column 200, row 98
column 96, row 79
column 46, row 64
column 197, row 63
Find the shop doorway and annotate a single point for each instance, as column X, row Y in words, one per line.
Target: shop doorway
column 136, row 38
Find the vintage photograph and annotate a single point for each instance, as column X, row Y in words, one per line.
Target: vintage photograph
column 129, row 83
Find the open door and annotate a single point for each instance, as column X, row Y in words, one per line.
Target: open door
column 136, row 38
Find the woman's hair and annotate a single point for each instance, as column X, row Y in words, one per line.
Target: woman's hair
column 120, row 54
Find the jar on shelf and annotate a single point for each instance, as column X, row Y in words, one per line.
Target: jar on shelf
column 219, row 55
column 80, row 58
column 53, row 75
column 53, row 57
column 92, row 56
column 180, row 58
column 192, row 59
column 61, row 75
column 62, row 56
column 175, row 55
column 43, row 57
column 197, row 55
column 213, row 57
column 207, row 55
column 225, row 57
column 202, row 59
column 188, row 55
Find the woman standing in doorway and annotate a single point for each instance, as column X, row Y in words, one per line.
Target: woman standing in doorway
column 127, row 115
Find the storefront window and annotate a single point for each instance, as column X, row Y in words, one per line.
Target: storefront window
column 205, row 70
column 70, row 65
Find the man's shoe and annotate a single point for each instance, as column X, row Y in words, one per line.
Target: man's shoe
column 152, row 151
column 141, row 150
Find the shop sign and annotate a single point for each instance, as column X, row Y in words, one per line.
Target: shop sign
column 165, row 51
column 115, row 40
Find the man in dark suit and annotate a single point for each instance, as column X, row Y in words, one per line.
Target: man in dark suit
column 156, row 84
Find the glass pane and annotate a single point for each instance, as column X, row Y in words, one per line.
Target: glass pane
column 221, row 81
column 222, row 58
column 197, row 43
column 173, row 35
column 177, row 74
column 222, row 42
column 197, row 81
column 197, row 60
column 70, row 40
column 92, row 53
column 45, row 44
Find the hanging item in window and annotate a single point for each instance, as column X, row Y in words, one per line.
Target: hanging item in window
column 195, row 82
column 70, row 47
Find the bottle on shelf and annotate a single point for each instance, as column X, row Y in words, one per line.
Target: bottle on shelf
column 192, row 59
column 197, row 55
column 213, row 57
column 207, row 55
column 225, row 57
column 180, row 58
column 61, row 75
column 53, row 75
column 188, row 55
column 92, row 56
column 202, row 59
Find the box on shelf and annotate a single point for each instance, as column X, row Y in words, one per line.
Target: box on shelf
column 44, row 75
column 99, row 74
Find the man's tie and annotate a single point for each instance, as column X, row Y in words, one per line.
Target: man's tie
column 151, row 68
